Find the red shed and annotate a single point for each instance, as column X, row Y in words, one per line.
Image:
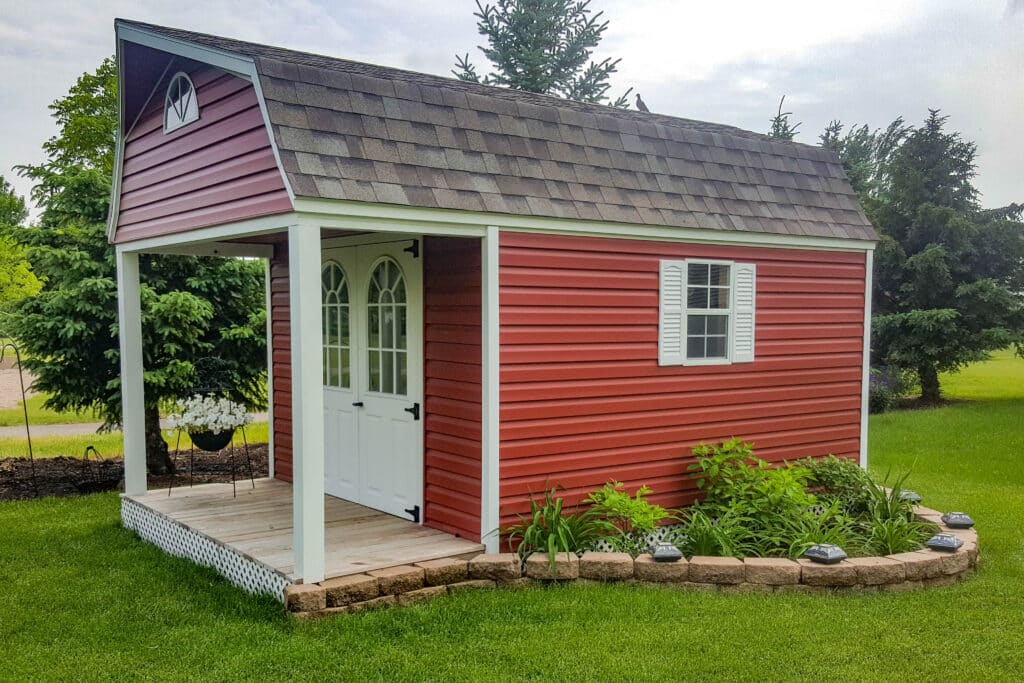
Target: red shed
column 475, row 292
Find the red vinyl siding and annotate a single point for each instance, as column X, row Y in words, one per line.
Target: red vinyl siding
column 451, row 334
column 584, row 401
column 281, row 345
column 218, row 169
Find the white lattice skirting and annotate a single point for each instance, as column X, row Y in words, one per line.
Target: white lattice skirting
column 178, row 540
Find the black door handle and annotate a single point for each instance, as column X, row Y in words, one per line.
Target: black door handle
column 357, row 404
column 414, row 411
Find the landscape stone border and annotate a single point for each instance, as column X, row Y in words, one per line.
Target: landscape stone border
column 423, row 581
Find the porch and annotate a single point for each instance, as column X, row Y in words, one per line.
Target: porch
column 249, row 539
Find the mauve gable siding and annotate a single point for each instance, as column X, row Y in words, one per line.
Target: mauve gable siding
column 584, row 401
column 216, row 170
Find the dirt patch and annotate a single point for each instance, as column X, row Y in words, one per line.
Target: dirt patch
column 75, row 476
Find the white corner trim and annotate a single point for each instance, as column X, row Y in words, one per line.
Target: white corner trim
column 348, row 214
column 490, row 465
column 115, row 186
column 866, row 373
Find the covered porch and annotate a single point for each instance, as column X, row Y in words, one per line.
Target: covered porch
column 288, row 530
column 249, row 538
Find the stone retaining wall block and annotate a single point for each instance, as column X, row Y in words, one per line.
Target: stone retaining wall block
column 772, row 571
column 500, row 567
column 720, row 570
column 815, row 574
column 606, row 566
column 345, row 590
column 444, row 571
column 402, row 579
column 646, row 569
column 567, row 567
column 305, row 597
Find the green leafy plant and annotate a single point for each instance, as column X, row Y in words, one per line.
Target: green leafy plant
column 842, row 481
column 633, row 516
column 896, row 535
column 831, row 526
column 701, row 534
column 548, row 529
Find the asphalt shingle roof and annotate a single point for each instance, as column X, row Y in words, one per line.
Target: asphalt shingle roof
column 348, row 130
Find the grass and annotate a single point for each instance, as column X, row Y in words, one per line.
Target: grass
column 84, row 599
column 107, row 444
column 37, row 415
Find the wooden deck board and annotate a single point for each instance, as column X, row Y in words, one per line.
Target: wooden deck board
column 258, row 523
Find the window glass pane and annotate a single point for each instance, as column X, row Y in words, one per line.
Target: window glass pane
column 333, row 371
column 333, row 326
column 695, row 347
column 374, row 371
column 402, row 340
column 696, row 324
column 388, row 339
column 719, row 297
column 717, row 324
column 697, row 273
column 373, row 327
column 346, row 369
column 387, row 371
column 344, row 326
column 719, row 275
column 403, row 374
column 697, row 297
column 716, row 347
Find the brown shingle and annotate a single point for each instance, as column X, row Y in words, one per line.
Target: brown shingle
column 360, row 132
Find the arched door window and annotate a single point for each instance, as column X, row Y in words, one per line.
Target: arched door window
column 335, row 326
column 386, row 329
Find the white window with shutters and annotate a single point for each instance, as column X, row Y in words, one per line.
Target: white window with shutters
column 706, row 312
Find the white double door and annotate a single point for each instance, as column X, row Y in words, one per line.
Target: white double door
column 373, row 375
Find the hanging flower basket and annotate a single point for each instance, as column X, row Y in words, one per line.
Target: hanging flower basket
column 210, row 421
column 212, row 441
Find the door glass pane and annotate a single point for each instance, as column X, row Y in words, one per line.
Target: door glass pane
column 334, row 324
column 346, row 369
column 403, row 372
column 374, row 371
column 327, row 365
column 387, row 332
column 387, row 371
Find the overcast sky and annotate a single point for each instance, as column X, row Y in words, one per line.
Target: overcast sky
column 722, row 61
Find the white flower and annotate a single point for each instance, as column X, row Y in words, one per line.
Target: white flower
column 208, row 414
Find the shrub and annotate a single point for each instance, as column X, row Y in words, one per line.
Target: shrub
column 724, row 536
column 885, row 387
column 841, row 481
column 634, row 517
column 547, row 529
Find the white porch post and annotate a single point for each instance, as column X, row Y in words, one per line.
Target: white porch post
column 129, row 321
column 307, row 402
column 490, row 385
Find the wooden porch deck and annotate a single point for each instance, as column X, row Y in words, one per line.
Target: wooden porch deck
column 258, row 525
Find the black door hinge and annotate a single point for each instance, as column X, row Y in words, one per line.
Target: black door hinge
column 414, row 512
column 414, row 411
column 413, row 249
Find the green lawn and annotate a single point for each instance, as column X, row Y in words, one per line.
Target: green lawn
column 107, row 444
column 84, row 599
column 37, row 415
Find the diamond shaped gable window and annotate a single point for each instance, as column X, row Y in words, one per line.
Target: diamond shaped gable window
column 180, row 106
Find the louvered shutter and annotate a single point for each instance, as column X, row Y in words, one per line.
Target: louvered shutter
column 672, row 313
column 744, row 287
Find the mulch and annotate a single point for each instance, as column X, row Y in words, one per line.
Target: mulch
column 74, row 476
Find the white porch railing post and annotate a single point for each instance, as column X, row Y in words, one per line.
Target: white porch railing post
column 129, row 321
column 307, row 402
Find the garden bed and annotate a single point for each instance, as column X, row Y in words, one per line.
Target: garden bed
column 428, row 580
column 66, row 476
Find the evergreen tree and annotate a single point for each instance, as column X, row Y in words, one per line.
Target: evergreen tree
column 781, row 128
column 192, row 308
column 543, row 46
column 947, row 277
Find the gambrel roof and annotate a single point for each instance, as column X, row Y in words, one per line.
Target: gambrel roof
column 353, row 131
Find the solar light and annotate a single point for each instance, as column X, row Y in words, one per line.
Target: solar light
column 957, row 520
column 909, row 496
column 666, row 552
column 824, row 553
column 945, row 542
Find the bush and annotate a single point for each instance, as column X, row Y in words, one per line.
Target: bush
column 886, row 386
column 841, row 481
column 634, row 517
column 724, row 536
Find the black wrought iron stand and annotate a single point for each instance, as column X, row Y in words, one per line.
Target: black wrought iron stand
column 24, row 407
